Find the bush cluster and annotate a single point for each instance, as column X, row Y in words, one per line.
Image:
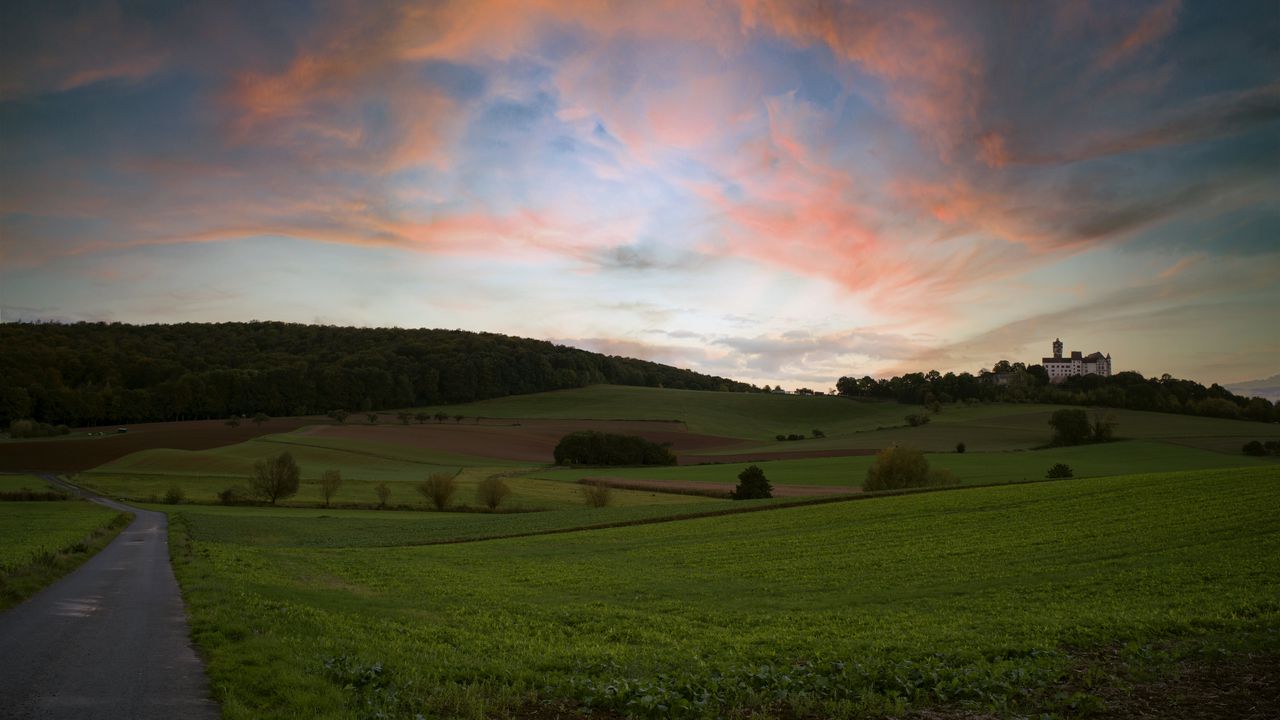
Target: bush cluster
column 1259, row 448
column 917, row 419
column 1059, row 470
column 22, row 429
column 898, row 467
column 588, row 447
column 1074, row 427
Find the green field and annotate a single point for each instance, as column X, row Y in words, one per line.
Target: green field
column 16, row 483
column 1117, row 458
column 752, row 416
column 527, row 493
column 42, row 541
column 985, row 600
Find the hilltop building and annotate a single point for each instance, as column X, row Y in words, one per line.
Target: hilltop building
column 1060, row 368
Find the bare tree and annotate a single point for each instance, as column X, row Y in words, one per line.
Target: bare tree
column 492, row 491
column 439, row 489
column 330, row 481
column 275, row 478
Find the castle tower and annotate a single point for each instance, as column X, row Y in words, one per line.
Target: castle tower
column 1057, row 348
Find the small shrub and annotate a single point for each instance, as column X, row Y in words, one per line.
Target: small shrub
column 1254, row 448
column 174, row 495
column 780, row 438
column 233, row 421
column 752, row 485
column 439, row 488
column 234, row 496
column 1059, row 470
column 960, row 447
column 491, row 492
column 917, row 419
column 818, row 433
column 1272, row 447
column 383, row 491
column 794, row 437
column 597, row 493
column 372, row 417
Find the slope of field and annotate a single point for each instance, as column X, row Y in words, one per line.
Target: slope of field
column 755, row 416
column 986, row 600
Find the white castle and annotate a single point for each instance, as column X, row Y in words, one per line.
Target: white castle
column 1061, row 368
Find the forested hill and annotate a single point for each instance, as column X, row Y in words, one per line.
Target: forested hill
column 95, row 373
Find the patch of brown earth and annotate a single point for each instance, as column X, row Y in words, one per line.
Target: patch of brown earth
column 78, row 451
column 722, row 490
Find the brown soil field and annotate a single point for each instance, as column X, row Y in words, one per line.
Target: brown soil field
column 780, row 455
column 530, row 441
column 715, row 489
column 76, row 452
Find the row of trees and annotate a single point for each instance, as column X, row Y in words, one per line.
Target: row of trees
column 588, row 447
column 98, row 373
column 1017, row 382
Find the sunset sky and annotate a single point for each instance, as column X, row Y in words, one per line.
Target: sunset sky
column 772, row 191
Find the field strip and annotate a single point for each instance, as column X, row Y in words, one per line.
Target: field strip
column 729, row 511
column 364, row 453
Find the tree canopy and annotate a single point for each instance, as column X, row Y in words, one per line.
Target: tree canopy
column 100, row 373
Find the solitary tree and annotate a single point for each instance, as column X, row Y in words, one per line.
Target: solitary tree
column 339, row 416
column 330, row 481
column 752, row 485
column 384, row 493
column 373, row 418
column 260, row 417
column 1059, row 470
column 491, row 492
column 275, row 478
column 438, row 488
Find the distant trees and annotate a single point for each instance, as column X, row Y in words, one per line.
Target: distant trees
column 1018, row 382
column 1257, row 448
column 589, row 447
column 339, row 416
column 330, row 483
column 1072, row 426
column 21, row 429
column 259, row 418
column 439, row 488
column 383, row 491
column 275, row 478
column 421, row 417
column 404, row 416
column 372, row 417
column 441, row 417
column 99, row 373
column 233, row 421
column 752, row 485
column 899, row 467
column 492, row 491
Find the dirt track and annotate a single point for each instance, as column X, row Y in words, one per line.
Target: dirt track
column 716, row 489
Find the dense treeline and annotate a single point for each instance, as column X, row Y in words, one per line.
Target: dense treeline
column 95, row 373
column 1016, row 382
column 588, row 447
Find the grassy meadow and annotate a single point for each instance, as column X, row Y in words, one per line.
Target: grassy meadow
column 976, row 600
column 1005, row 598
column 41, row 541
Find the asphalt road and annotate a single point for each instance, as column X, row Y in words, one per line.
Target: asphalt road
column 109, row 641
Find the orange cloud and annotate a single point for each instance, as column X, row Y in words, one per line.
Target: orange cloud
column 1153, row 26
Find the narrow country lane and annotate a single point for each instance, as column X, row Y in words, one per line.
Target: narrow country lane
column 108, row 641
